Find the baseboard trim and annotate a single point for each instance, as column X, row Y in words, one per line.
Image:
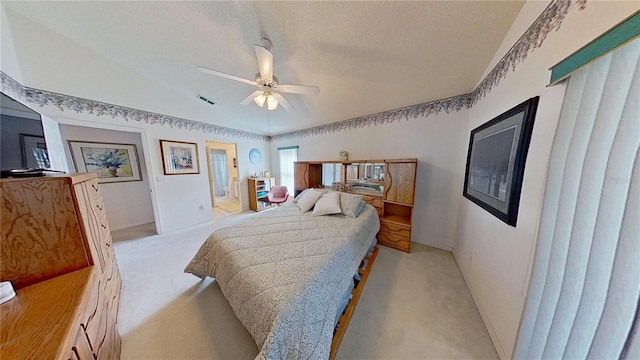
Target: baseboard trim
column 126, row 226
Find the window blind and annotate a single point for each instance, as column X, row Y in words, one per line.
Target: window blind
column 585, row 286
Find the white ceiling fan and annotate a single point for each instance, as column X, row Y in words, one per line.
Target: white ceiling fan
column 270, row 87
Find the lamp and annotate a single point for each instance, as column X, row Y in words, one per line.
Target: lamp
column 272, row 103
column 260, row 100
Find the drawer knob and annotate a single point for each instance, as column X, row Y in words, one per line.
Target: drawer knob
column 103, row 226
column 99, row 207
column 95, row 187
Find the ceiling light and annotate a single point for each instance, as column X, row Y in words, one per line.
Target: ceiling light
column 260, row 100
column 272, row 103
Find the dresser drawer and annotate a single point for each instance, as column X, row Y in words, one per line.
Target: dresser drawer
column 374, row 201
column 395, row 229
column 81, row 349
column 103, row 227
column 116, row 288
column 97, row 206
column 93, row 188
column 396, row 242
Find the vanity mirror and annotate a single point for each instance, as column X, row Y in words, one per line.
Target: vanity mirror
column 366, row 176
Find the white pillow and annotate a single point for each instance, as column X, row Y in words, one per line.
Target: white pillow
column 308, row 199
column 328, row 204
column 324, row 191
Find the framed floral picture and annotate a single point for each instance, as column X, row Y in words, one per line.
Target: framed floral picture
column 179, row 157
column 112, row 162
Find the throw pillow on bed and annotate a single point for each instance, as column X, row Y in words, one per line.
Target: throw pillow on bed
column 328, row 204
column 309, row 199
column 351, row 204
column 323, row 191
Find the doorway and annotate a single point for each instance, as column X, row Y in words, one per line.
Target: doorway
column 223, row 178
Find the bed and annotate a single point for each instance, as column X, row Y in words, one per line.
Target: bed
column 284, row 273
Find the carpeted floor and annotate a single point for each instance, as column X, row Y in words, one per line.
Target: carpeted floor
column 414, row 306
column 135, row 232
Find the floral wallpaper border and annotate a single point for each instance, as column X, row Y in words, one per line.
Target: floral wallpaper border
column 455, row 103
column 41, row 97
column 550, row 20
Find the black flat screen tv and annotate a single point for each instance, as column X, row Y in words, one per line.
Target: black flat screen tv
column 22, row 141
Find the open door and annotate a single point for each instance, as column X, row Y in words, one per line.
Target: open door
column 223, row 178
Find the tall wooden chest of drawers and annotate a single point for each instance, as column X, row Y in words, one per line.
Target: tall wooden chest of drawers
column 54, row 227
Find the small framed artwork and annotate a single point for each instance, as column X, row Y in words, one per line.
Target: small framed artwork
column 496, row 160
column 112, row 162
column 179, row 157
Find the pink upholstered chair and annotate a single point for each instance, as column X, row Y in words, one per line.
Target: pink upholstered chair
column 278, row 194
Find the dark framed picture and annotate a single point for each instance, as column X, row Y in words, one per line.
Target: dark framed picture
column 179, row 157
column 496, row 159
column 112, row 162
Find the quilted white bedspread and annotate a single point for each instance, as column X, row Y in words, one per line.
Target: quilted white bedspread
column 284, row 272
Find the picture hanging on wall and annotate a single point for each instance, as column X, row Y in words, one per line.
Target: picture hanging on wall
column 179, row 158
column 112, row 162
column 496, row 159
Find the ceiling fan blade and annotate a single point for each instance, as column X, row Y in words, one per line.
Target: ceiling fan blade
column 282, row 101
column 265, row 63
column 249, row 98
column 299, row 89
column 225, row 75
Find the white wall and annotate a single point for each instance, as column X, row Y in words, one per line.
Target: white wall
column 499, row 274
column 127, row 203
column 179, row 201
column 55, row 145
column 8, row 58
column 439, row 143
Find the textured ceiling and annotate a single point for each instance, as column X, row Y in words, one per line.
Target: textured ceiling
column 366, row 57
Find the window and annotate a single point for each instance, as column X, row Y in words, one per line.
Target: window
column 287, row 156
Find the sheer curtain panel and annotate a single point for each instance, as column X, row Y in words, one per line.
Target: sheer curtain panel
column 287, row 156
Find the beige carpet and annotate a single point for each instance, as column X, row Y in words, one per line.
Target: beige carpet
column 135, row 232
column 414, row 306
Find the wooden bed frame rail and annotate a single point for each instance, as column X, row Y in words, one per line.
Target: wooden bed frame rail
column 343, row 321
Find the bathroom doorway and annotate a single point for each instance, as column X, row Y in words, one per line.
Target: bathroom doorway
column 223, row 178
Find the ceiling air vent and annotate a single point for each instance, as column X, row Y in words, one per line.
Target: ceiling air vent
column 205, row 99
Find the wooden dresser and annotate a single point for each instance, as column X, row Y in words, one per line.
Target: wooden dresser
column 58, row 253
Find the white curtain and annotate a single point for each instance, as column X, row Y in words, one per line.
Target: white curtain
column 220, row 178
column 287, row 157
column 585, row 286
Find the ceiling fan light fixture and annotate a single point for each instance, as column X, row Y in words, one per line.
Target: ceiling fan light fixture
column 260, row 99
column 272, row 102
